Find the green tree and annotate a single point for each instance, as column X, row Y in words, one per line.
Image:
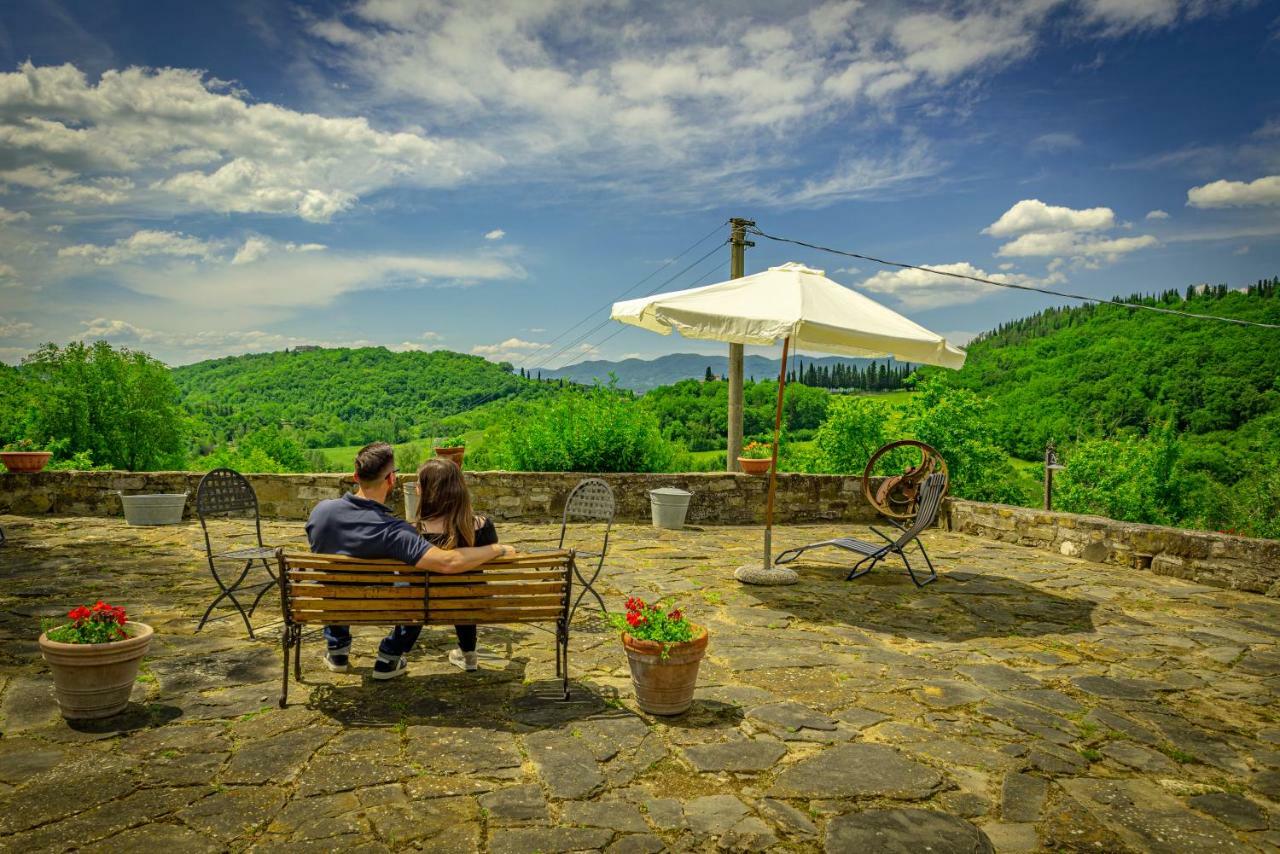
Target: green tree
column 119, row 406
column 853, row 429
column 957, row 423
column 708, row 377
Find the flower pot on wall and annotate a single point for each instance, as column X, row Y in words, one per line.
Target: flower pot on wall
column 751, row 465
column 454, row 454
column 25, row 462
column 665, row 685
column 94, row 680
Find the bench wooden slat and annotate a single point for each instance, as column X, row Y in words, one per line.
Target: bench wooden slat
column 358, row 618
column 417, row 577
column 495, row 602
column 322, row 591
column 494, row 588
column 321, row 561
column 484, row 618
column 500, row 574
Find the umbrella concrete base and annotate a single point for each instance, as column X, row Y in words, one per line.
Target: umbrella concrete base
column 754, row 573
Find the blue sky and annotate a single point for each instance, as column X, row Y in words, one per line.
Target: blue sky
column 198, row 180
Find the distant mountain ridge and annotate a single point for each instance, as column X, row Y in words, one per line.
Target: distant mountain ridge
column 643, row 374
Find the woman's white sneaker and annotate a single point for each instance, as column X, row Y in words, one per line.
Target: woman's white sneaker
column 464, row 660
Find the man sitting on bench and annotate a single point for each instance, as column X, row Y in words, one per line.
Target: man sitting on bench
column 360, row 524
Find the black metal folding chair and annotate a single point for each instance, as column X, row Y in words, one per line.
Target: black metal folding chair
column 590, row 501
column 227, row 494
column 930, row 500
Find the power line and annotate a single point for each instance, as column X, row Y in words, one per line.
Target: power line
column 593, row 330
column 622, row 329
column 547, row 344
column 1013, row 286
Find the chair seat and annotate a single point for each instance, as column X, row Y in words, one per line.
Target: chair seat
column 251, row 553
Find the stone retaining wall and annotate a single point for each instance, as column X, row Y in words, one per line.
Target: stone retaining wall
column 718, row 498
column 1218, row 560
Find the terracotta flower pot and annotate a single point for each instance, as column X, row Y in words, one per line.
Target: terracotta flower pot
column 754, row 466
column 664, row 686
column 454, row 454
column 94, row 680
column 26, row 462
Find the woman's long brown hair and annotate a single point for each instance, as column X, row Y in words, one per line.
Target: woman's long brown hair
column 442, row 492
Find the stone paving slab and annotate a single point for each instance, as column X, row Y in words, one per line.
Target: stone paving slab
column 1023, row 702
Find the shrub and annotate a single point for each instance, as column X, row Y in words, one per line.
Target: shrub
column 598, row 430
column 1128, row 478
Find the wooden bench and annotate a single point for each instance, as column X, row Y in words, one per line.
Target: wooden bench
column 322, row 590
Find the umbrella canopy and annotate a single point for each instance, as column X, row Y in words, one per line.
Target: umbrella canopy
column 791, row 301
column 804, row 309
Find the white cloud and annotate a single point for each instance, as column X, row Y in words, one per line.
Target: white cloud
column 14, row 329
column 8, row 216
column 1157, row 214
column 1116, row 17
column 56, row 228
column 283, row 280
column 143, row 244
column 204, row 344
column 922, row 289
column 195, row 141
column 496, row 234
column 505, row 349
column 1047, row 244
column 1229, row 194
column 659, row 97
column 254, row 248
column 1054, row 142
column 8, row 276
column 1033, row 215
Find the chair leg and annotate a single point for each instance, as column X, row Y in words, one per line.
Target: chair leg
column 856, row 573
column 789, row 555
column 933, row 573
column 227, row 593
column 588, row 587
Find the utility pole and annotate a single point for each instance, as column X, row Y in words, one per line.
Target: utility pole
column 1051, row 465
column 738, row 244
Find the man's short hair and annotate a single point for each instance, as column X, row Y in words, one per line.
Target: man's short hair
column 372, row 462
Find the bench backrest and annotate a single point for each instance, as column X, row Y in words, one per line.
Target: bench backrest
column 337, row 590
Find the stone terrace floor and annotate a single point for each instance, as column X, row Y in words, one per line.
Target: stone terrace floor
column 1053, row 704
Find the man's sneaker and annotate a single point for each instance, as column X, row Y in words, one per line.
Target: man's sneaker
column 338, row 663
column 464, row 660
column 384, row 669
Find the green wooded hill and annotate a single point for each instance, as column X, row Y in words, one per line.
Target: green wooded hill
column 1100, row 371
column 340, row 396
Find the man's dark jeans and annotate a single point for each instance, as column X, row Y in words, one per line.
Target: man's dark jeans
column 394, row 645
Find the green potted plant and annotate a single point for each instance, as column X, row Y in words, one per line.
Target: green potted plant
column 756, row 458
column 664, row 650
column 452, row 448
column 95, row 657
column 24, row 456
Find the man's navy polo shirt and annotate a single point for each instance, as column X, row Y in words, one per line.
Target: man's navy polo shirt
column 360, row 527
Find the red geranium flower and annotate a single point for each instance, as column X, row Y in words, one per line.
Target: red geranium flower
column 676, row 615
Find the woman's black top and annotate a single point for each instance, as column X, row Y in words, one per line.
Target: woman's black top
column 486, row 535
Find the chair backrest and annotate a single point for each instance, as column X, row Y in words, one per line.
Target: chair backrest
column 225, row 492
column 927, row 504
column 337, row 590
column 590, row 499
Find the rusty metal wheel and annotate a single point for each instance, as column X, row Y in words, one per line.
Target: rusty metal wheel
column 896, row 495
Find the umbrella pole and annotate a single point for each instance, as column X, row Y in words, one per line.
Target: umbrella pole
column 773, row 469
column 754, row 573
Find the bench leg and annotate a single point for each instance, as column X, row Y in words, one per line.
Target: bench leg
column 297, row 653
column 286, row 634
column 562, row 655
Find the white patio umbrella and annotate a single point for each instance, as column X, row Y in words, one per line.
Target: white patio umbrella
column 804, row 309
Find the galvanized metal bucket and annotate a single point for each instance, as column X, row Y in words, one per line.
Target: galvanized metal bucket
column 669, row 506
column 157, row 509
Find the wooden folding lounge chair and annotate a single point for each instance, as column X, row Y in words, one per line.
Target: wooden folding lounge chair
column 930, row 500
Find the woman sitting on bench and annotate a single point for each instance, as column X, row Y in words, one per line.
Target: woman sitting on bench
column 446, row 520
